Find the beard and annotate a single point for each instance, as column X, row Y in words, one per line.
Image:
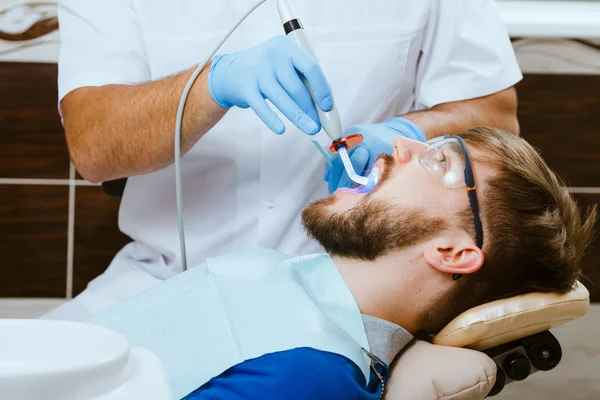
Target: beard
column 370, row 229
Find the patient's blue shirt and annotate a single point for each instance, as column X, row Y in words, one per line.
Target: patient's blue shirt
column 301, row 373
column 306, row 373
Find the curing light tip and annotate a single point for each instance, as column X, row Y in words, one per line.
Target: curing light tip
column 366, row 184
column 349, row 169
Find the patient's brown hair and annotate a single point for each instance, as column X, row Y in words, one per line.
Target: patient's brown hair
column 534, row 233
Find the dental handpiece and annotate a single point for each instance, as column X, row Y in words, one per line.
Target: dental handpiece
column 330, row 120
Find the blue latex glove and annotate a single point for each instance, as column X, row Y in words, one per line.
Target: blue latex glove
column 378, row 139
column 271, row 71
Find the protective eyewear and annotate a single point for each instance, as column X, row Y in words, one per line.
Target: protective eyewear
column 447, row 159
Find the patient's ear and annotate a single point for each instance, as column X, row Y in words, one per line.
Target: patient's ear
column 454, row 255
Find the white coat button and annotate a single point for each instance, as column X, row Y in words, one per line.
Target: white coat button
column 268, row 24
column 270, row 204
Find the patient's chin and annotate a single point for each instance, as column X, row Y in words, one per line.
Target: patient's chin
column 317, row 210
column 326, row 208
column 317, row 214
column 340, row 229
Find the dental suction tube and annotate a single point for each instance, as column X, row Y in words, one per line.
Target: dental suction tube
column 330, row 120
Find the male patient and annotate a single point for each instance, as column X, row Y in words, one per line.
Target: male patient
column 452, row 224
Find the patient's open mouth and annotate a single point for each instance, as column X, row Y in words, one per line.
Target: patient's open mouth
column 373, row 180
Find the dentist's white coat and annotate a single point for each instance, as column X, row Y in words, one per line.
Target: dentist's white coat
column 243, row 185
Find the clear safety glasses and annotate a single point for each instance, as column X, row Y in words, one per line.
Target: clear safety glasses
column 448, row 160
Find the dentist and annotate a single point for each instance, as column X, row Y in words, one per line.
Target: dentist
column 394, row 67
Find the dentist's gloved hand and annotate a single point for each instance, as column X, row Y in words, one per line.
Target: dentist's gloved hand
column 378, row 138
column 271, row 71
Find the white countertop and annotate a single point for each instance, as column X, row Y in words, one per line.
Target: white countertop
column 560, row 19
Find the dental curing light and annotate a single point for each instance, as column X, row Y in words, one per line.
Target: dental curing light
column 330, row 120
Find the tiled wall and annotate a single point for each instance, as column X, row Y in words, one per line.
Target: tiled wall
column 57, row 232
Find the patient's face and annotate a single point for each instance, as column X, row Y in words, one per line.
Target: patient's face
column 407, row 206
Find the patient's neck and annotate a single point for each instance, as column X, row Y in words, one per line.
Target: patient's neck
column 385, row 289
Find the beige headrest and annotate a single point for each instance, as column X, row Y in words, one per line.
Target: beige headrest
column 505, row 320
column 424, row 371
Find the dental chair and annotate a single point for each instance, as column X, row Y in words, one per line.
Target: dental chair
column 472, row 358
column 486, row 348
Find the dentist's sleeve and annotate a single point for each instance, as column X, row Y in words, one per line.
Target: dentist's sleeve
column 466, row 53
column 100, row 44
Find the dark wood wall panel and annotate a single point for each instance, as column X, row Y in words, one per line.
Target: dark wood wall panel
column 33, row 240
column 560, row 114
column 32, row 143
column 591, row 262
column 97, row 236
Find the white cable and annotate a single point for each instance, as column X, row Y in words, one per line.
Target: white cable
column 178, row 123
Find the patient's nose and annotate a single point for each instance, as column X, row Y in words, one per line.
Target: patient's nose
column 406, row 148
